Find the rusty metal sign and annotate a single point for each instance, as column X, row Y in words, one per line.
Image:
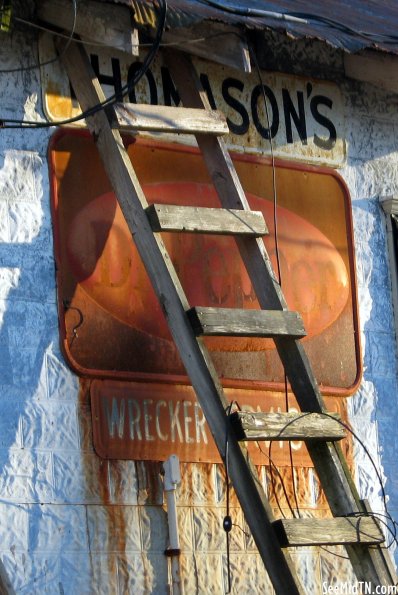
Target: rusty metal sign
column 304, row 119
column 144, row 421
column 111, row 322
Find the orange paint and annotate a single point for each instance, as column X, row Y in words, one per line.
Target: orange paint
column 108, row 268
column 111, row 323
column 140, row 421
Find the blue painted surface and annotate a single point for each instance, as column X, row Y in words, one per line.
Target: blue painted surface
column 59, row 504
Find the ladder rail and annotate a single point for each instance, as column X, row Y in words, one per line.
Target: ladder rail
column 340, row 490
column 192, row 350
column 328, row 459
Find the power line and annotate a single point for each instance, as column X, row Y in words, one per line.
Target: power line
column 12, row 123
column 87, row 42
column 303, row 18
column 40, row 64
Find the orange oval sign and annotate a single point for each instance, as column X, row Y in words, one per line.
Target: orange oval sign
column 107, row 266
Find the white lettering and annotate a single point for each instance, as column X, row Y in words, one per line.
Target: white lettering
column 147, row 419
column 359, row 587
column 175, row 422
column 159, row 432
column 134, row 419
column 115, row 417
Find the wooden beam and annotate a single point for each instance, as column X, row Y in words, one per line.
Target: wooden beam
column 376, row 68
column 173, row 300
column 220, row 43
column 336, row 531
column 328, row 458
column 236, row 322
column 286, row 426
column 206, row 220
column 103, row 23
column 161, row 118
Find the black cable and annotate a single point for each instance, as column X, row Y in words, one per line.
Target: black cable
column 271, row 144
column 276, row 241
column 291, row 455
column 378, row 474
column 386, row 515
column 274, row 466
column 376, row 515
column 127, row 88
column 98, row 44
column 227, row 522
column 347, row 427
column 374, row 37
column 302, row 18
column 253, row 55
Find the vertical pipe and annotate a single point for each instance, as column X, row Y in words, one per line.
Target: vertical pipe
column 171, row 480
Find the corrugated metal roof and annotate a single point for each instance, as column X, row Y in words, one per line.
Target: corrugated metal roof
column 348, row 24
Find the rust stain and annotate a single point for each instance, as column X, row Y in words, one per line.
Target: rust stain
column 105, row 295
column 98, row 479
column 150, row 489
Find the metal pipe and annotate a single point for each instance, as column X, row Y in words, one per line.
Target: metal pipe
column 171, row 480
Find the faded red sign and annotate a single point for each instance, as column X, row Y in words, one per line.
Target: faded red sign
column 144, row 421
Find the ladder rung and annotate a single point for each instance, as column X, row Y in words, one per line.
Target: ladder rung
column 206, row 220
column 246, row 323
column 160, row 118
column 286, row 426
column 335, row 531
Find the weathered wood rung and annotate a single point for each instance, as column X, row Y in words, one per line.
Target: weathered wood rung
column 246, row 323
column 206, row 220
column 336, row 482
column 286, row 426
column 335, row 531
column 160, row 118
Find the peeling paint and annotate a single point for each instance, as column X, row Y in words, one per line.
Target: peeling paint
column 70, row 523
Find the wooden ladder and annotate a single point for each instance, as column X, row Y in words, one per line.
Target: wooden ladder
column 360, row 534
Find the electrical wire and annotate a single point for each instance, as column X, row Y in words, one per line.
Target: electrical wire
column 303, row 18
column 276, row 242
column 227, row 522
column 86, row 42
column 271, row 144
column 11, row 123
column 291, row 455
column 273, row 466
column 386, row 514
column 40, row 64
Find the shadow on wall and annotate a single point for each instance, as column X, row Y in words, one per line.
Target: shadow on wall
column 58, row 532
column 37, row 406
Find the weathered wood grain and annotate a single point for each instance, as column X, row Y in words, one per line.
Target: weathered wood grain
column 235, row 322
column 328, row 458
column 107, row 24
column 173, row 300
column 250, row 425
column 221, row 44
column 161, row 118
column 339, row 530
column 206, row 220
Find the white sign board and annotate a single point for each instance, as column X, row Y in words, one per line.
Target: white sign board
column 303, row 119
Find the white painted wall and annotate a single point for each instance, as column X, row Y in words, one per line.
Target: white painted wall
column 72, row 524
